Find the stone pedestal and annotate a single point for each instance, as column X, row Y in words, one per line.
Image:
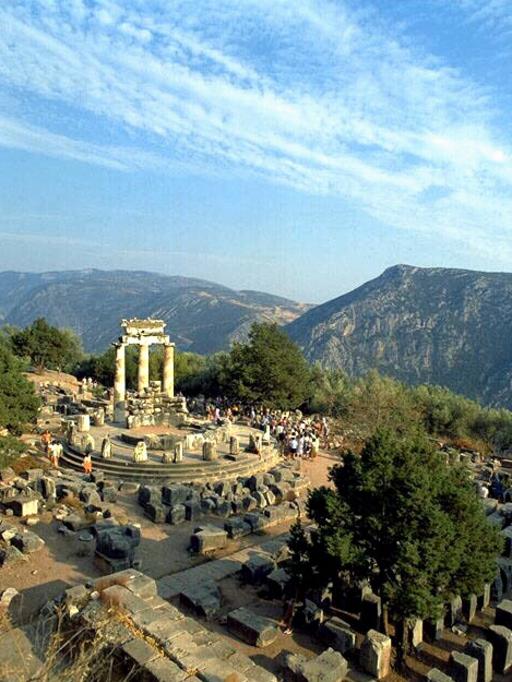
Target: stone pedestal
column 143, row 377
column 481, row 649
column 168, row 378
column 464, row 668
column 178, row 453
column 120, row 384
column 501, row 640
column 83, row 423
column 234, row 446
column 140, row 453
column 375, row 654
column 209, row 451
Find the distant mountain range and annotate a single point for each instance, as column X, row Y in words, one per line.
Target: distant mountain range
column 201, row 316
column 421, row 325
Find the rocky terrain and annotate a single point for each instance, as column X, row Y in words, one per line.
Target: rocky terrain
column 433, row 325
column 202, row 316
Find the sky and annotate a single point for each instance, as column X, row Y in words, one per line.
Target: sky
column 298, row 147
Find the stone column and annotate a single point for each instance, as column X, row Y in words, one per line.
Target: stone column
column 168, row 378
column 120, row 384
column 143, row 381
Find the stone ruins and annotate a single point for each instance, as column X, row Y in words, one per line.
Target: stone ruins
column 155, row 403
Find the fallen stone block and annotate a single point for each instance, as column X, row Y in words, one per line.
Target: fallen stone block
column 338, row 634
column 156, row 512
column 375, row 654
column 164, row 670
column 371, row 611
column 176, row 514
column 208, row 539
column 329, row 666
column 139, row 652
column 192, row 510
column 251, row 628
column 27, row 542
column 11, row 555
column 23, row 506
column 176, row 494
column 237, row 528
column 481, row 649
column 501, row 640
column 436, row 675
column 277, row 582
column 463, row 668
column 256, row 521
column 504, row 613
column 121, row 597
column 76, row 522
column 204, row 598
column 257, row 567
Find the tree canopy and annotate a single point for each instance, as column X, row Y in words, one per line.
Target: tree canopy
column 18, row 402
column 401, row 518
column 46, row 346
column 268, row 369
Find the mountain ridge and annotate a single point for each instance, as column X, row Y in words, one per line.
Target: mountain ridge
column 421, row 325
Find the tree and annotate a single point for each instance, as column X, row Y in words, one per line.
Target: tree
column 401, row 518
column 18, row 402
column 269, row 369
column 331, row 392
column 46, row 346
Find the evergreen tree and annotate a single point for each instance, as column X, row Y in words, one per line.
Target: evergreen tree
column 269, row 369
column 401, row 518
column 18, row 402
column 46, row 346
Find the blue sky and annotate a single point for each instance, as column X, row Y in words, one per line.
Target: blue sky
column 296, row 147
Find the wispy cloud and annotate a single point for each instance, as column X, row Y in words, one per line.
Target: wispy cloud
column 320, row 96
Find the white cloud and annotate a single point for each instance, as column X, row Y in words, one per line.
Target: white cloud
column 311, row 94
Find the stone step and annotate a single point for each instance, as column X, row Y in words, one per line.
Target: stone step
column 182, row 472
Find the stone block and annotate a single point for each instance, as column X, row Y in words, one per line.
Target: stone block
column 76, row 522
column 375, row 654
column 277, row 582
column 469, row 607
column 256, row 521
column 139, row 652
column 454, row 614
column 176, row 514
column 156, row 512
column 27, row 542
column 501, row 640
column 163, row 670
column 10, row 556
column 504, row 613
column 481, row 649
column 204, row 598
column 257, row 567
column 464, row 668
column 483, row 600
column 208, row 539
column 176, row 494
column 497, row 588
column 436, row 675
column 33, row 475
column 121, row 597
column 338, row 634
column 416, row 632
column 371, row 611
column 223, row 509
column 251, row 628
column 254, row 482
column 192, row 510
column 329, row 666
column 210, row 451
column 237, row 528
column 23, row 506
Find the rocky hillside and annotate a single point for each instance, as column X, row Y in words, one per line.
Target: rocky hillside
column 435, row 325
column 201, row 316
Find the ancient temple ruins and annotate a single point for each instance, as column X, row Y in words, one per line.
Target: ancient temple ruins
column 153, row 402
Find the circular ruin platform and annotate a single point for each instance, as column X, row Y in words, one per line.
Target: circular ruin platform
column 193, row 469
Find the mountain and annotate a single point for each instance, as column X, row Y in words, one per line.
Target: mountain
column 420, row 325
column 201, row 316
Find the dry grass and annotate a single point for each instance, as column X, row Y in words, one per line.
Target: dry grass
column 26, row 462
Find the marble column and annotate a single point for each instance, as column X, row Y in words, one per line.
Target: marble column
column 168, row 383
column 143, row 381
column 120, row 384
